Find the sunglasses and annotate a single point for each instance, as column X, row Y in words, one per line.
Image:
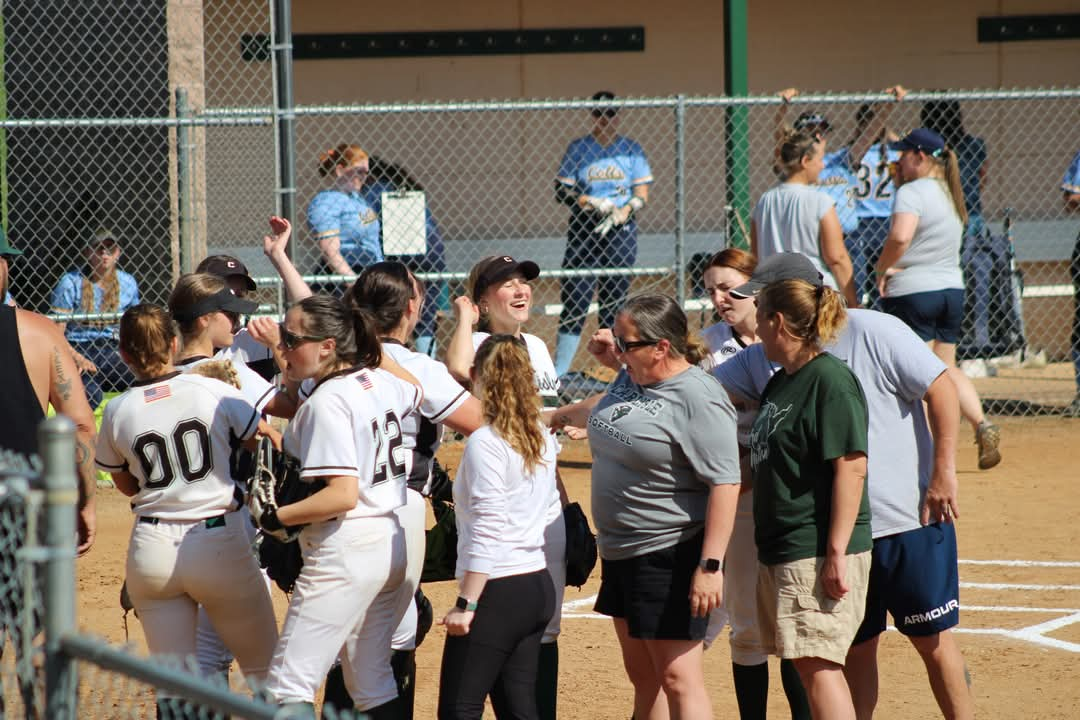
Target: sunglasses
column 290, row 341
column 623, row 346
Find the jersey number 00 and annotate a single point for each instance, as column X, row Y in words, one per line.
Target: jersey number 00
column 189, row 452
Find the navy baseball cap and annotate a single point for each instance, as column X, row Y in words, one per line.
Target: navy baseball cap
column 922, row 139
column 783, row 266
column 226, row 266
column 602, row 108
column 811, row 120
column 499, row 267
column 6, row 250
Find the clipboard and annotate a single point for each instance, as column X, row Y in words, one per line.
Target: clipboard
column 404, row 223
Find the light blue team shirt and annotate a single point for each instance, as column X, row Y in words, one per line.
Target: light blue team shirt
column 67, row 295
column 605, row 172
column 874, row 187
column 1070, row 182
column 350, row 218
column 839, row 183
column 895, row 369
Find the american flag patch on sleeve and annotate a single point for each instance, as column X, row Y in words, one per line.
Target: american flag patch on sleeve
column 158, row 392
column 365, row 381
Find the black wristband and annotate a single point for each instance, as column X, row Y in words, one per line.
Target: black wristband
column 269, row 520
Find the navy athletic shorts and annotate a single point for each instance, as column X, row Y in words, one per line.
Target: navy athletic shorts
column 935, row 315
column 913, row 576
column 652, row 592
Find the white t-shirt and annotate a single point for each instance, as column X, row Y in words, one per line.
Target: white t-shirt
column 352, row 424
column 502, row 510
column 932, row 261
column 176, row 435
column 442, row 396
column 547, row 382
column 255, row 389
column 788, row 219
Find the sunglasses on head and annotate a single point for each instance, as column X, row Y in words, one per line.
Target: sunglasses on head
column 626, row 345
column 291, row 340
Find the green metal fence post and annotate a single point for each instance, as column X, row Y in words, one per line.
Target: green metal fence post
column 56, row 439
column 680, row 200
column 736, row 130
column 185, row 216
column 284, row 112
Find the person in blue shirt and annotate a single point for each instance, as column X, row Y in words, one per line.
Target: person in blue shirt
column 341, row 219
column 1070, row 187
column 846, row 178
column 98, row 287
column 604, row 179
column 387, row 177
column 947, row 119
column 874, row 190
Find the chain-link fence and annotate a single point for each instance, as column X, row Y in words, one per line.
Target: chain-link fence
column 158, row 123
column 47, row 669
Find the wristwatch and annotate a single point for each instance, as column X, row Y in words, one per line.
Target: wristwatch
column 463, row 603
column 709, row 565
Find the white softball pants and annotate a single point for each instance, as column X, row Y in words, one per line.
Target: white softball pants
column 412, row 516
column 177, row 565
column 739, row 608
column 349, row 598
column 555, row 560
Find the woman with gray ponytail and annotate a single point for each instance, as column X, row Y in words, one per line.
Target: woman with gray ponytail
column 919, row 275
column 811, row 509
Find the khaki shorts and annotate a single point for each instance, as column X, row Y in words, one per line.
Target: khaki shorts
column 797, row 619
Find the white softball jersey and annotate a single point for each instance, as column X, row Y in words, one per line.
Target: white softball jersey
column 351, row 425
column 547, row 382
column 176, row 435
column 442, row 396
column 255, row 389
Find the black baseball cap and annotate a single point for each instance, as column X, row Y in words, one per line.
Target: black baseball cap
column 222, row 300
column 811, row 120
column 602, row 108
column 226, row 266
column 496, row 268
column 783, row 266
column 921, row 139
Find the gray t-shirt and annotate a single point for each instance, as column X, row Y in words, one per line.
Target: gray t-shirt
column 657, row 451
column 788, row 219
column 895, row 369
column 932, row 261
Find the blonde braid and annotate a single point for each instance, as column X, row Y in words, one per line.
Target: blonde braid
column 508, row 396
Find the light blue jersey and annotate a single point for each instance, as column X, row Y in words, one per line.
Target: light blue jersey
column 67, row 295
column 838, row 182
column 874, row 187
column 605, row 172
column 1070, row 183
column 350, row 218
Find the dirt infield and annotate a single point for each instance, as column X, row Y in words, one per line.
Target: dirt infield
column 1020, row 595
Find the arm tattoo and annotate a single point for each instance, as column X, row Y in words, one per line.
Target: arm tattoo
column 63, row 385
column 84, row 463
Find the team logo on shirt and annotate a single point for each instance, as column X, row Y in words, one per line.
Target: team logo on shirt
column 367, row 217
column 627, row 394
column 768, row 420
column 728, row 350
column 619, row 412
column 611, row 172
